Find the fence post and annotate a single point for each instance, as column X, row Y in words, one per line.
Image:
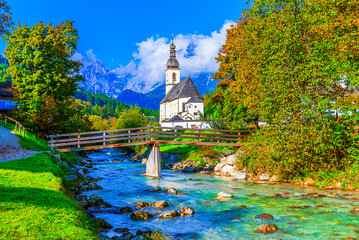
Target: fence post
column 239, row 137
column 197, row 136
column 23, row 132
column 176, row 135
column 5, row 120
column 104, row 138
column 52, row 144
column 218, row 136
column 129, row 140
column 15, row 127
column 151, row 133
column 78, row 142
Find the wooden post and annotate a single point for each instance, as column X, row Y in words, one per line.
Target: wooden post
column 129, row 140
column 104, row 138
column 153, row 164
column 175, row 134
column 5, row 120
column 218, row 132
column 78, row 142
column 197, row 136
column 239, row 137
column 52, row 144
column 23, row 132
column 151, row 133
column 15, row 127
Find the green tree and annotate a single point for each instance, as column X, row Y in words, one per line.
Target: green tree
column 131, row 118
column 43, row 75
column 5, row 18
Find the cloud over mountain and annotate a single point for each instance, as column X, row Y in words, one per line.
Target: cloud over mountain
column 195, row 52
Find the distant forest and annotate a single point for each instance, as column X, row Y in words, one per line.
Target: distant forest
column 106, row 107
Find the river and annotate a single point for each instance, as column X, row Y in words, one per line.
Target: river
column 297, row 217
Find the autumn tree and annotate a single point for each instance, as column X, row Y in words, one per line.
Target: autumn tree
column 131, row 118
column 44, row 76
column 288, row 62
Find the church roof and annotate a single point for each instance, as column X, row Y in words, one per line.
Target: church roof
column 195, row 99
column 175, row 118
column 183, row 89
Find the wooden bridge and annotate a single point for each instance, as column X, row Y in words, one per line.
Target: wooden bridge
column 150, row 136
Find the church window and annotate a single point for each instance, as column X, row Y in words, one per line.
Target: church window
column 195, row 106
column 183, row 107
column 174, row 77
column 195, row 113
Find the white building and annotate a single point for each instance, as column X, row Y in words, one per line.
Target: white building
column 183, row 104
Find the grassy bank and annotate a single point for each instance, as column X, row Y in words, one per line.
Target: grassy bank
column 33, row 204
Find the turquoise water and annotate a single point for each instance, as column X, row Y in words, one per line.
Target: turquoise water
column 296, row 217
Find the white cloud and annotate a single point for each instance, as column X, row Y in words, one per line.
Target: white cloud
column 195, row 52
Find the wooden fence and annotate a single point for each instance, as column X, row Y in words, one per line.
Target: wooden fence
column 18, row 126
column 146, row 135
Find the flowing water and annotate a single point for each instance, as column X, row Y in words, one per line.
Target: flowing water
column 296, row 217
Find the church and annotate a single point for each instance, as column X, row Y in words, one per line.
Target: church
column 183, row 104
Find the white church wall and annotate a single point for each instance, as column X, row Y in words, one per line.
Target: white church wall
column 195, row 109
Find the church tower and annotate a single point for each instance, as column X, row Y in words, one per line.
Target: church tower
column 173, row 70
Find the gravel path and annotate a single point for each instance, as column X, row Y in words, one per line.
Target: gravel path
column 10, row 148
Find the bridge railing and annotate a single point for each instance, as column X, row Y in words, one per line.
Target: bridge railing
column 18, row 126
column 146, row 135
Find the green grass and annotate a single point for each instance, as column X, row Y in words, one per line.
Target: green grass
column 30, row 141
column 33, row 205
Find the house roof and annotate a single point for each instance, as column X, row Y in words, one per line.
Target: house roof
column 6, row 90
column 195, row 99
column 183, row 89
column 175, row 118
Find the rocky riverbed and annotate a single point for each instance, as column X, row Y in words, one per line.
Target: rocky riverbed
column 189, row 205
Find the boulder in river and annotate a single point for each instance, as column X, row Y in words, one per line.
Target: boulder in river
column 223, row 195
column 157, row 189
column 242, row 207
column 101, row 223
column 160, row 204
column 314, row 195
column 264, row 217
column 168, row 214
column 267, row 228
column 186, row 211
column 241, row 176
column 140, row 205
column 171, row 190
column 95, row 201
column 126, row 209
column 141, row 215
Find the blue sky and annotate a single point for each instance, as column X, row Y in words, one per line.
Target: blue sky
column 111, row 28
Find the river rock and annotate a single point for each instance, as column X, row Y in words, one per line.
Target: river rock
column 186, row 211
column 241, row 176
column 160, row 204
column 218, row 167
column 116, row 160
column 140, row 205
column 168, row 214
column 177, row 166
column 157, row 189
column 356, row 210
column 242, row 207
column 228, row 170
column 264, row 177
column 95, row 201
column 189, row 169
column 266, row 228
column 121, row 230
column 227, row 152
column 223, row 195
column 264, row 217
column 231, row 159
column 141, row 215
column 126, row 209
column 171, row 190
column 144, row 160
column 314, row 195
column 91, row 186
column 125, row 234
column 101, row 223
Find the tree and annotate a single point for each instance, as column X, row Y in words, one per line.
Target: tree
column 285, row 62
column 5, row 18
column 131, row 118
column 43, row 73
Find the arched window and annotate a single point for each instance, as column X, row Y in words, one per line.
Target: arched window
column 173, row 77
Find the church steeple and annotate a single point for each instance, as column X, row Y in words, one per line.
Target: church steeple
column 173, row 70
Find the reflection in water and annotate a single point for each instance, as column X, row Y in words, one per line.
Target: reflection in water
column 296, row 217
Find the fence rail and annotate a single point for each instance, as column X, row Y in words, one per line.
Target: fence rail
column 146, row 135
column 18, row 126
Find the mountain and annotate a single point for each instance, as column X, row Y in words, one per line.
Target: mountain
column 100, row 79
